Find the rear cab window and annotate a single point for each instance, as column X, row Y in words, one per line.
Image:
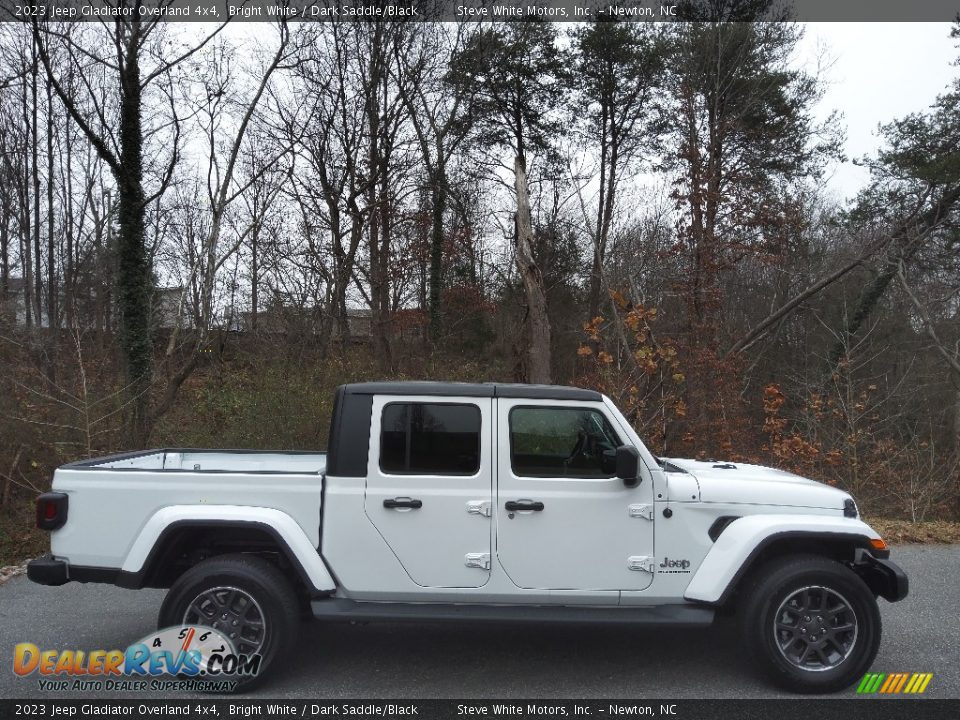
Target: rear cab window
column 430, row 439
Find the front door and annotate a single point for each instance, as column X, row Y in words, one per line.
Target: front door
column 429, row 486
column 564, row 521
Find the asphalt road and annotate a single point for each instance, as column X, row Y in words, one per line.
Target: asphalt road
column 921, row 634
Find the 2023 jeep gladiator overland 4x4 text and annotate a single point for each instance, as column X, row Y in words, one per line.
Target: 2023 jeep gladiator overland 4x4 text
column 479, row 502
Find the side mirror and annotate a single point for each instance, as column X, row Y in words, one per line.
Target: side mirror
column 628, row 465
column 608, row 461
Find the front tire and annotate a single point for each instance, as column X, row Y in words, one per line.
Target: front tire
column 811, row 624
column 247, row 599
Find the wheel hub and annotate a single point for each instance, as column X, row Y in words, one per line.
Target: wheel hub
column 813, row 627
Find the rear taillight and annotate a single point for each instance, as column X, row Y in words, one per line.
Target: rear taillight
column 51, row 510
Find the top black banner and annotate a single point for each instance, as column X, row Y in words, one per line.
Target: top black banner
column 480, row 10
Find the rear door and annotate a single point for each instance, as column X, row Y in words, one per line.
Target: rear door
column 564, row 520
column 429, row 486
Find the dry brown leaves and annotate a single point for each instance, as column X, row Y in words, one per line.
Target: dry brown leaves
column 898, row 532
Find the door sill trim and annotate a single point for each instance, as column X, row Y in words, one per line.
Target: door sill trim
column 348, row 610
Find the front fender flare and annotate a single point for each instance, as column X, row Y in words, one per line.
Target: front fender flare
column 285, row 530
column 742, row 541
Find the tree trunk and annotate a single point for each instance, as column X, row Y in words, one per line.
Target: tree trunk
column 26, row 233
column 135, row 276
column 788, row 306
column 254, row 275
column 438, row 202
column 596, row 267
column 538, row 348
column 378, row 169
column 956, row 417
column 69, row 295
column 343, row 269
column 384, row 305
column 26, row 253
column 35, row 174
column 5, row 250
column 50, row 361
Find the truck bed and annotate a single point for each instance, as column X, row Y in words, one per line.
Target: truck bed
column 119, row 494
column 252, row 461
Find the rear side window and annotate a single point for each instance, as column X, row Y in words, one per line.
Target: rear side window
column 430, row 439
column 562, row 442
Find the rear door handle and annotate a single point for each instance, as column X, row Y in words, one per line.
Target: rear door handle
column 514, row 505
column 403, row 502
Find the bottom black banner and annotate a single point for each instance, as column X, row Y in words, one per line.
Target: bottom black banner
column 800, row 708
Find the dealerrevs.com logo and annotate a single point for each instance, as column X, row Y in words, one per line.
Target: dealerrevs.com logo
column 200, row 658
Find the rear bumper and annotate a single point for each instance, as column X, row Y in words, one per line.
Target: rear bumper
column 48, row 571
column 884, row 577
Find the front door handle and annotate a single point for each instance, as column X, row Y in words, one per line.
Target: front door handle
column 403, row 502
column 515, row 505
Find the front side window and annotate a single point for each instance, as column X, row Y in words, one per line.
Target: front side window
column 562, row 442
column 430, row 439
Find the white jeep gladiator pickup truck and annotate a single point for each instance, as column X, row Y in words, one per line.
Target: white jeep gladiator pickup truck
column 449, row 501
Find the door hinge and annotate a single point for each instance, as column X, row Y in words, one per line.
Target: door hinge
column 477, row 560
column 641, row 510
column 480, row 507
column 643, row 563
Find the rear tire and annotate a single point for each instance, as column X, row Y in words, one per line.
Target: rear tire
column 810, row 623
column 267, row 608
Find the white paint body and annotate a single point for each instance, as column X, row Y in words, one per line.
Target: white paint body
column 597, row 542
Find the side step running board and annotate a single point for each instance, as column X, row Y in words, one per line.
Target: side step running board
column 344, row 609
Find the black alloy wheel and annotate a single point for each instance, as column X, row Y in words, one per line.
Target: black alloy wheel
column 811, row 624
column 246, row 599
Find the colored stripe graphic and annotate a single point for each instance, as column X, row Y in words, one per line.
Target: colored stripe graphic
column 903, row 680
column 894, row 683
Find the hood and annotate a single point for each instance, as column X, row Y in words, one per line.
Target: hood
column 729, row 482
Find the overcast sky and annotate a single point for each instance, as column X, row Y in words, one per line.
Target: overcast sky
column 875, row 73
column 880, row 71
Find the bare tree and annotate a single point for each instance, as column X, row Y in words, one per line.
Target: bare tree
column 126, row 49
column 438, row 111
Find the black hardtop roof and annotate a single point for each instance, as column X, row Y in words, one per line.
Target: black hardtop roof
column 457, row 389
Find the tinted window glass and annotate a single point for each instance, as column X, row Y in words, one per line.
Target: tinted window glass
column 430, row 439
column 393, row 439
column 561, row 442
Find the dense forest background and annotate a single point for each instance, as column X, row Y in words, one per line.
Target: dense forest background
column 204, row 230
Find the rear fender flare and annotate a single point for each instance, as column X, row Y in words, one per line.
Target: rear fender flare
column 284, row 529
